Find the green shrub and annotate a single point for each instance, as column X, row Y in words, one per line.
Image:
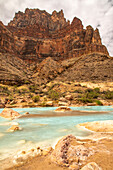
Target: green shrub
column 85, row 100
column 51, row 87
column 54, row 95
column 88, row 90
column 23, row 90
column 97, row 90
column 43, row 104
column 92, row 95
column 109, row 95
column 11, row 98
column 98, row 102
column 36, row 98
column 27, row 82
column 32, row 88
column 18, row 91
column 78, row 91
column 4, row 89
column 45, row 99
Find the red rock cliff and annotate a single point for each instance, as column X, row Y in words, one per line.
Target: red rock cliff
column 35, row 35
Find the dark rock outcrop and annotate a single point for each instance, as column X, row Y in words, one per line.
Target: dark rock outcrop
column 92, row 67
column 47, row 70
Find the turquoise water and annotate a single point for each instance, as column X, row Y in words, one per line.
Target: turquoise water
column 46, row 130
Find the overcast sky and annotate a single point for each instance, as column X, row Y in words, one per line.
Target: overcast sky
column 98, row 13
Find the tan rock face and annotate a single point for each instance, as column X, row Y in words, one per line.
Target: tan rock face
column 35, row 35
column 98, row 126
column 91, row 166
column 9, row 114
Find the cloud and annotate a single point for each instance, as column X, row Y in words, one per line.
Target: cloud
column 98, row 13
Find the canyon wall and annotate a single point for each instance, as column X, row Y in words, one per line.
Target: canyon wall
column 35, row 35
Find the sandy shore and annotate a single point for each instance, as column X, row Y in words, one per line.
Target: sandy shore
column 103, row 155
column 99, row 146
column 98, row 126
column 39, row 163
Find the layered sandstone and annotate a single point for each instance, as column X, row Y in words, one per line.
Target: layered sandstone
column 34, row 35
column 13, row 70
column 91, row 67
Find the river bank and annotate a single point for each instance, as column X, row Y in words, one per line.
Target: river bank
column 43, row 128
column 55, row 94
column 96, row 148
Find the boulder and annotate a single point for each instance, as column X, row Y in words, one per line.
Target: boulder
column 14, row 128
column 47, row 151
column 9, row 114
column 69, row 152
column 12, row 102
column 62, row 99
column 63, row 109
column 49, row 103
column 21, row 100
column 69, row 97
column 26, row 113
column 91, row 166
column 62, row 103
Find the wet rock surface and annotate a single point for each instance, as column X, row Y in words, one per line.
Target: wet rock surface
column 9, row 114
column 63, row 108
column 14, row 128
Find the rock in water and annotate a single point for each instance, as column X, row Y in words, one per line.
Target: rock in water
column 26, row 113
column 9, row 114
column 63, row 109
column 14, row 128
column 21, row 142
